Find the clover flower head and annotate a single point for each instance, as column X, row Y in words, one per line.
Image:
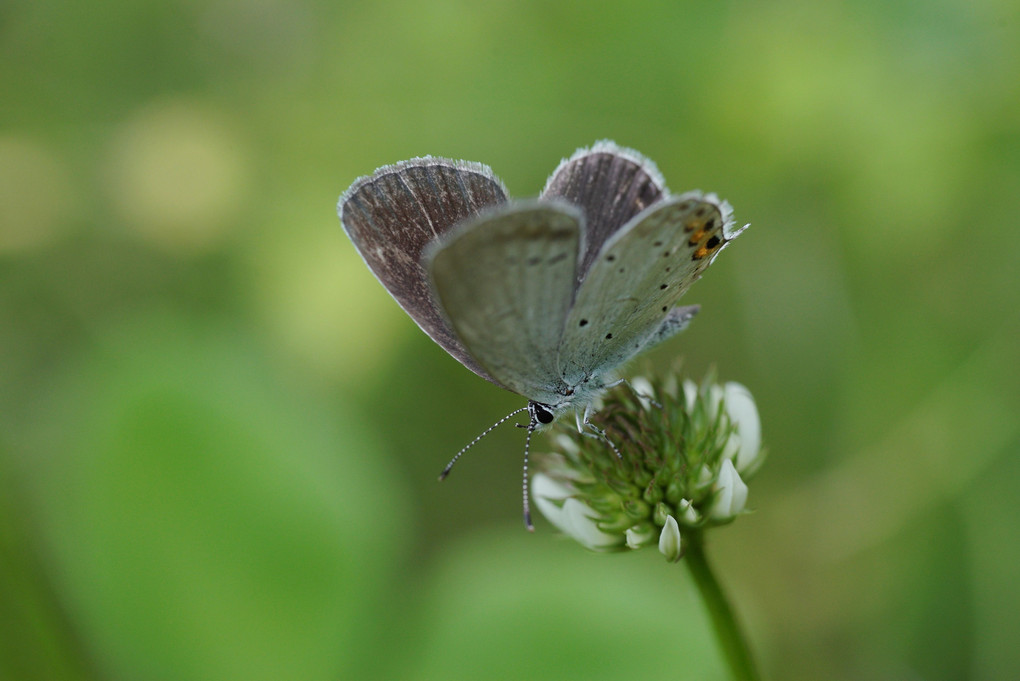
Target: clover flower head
column 686, row 451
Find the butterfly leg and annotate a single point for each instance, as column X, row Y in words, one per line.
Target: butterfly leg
column 643, row 391
column 589, row 429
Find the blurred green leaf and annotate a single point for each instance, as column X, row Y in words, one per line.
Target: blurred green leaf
column 511, row 605
column 204, row 518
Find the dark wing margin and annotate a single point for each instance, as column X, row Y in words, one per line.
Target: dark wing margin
column 610, row 184
column 393, row 214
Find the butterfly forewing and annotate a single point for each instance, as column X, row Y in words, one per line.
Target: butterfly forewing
column 393, row 214
column 635, row 281
column 611, row 185
column 506, row 282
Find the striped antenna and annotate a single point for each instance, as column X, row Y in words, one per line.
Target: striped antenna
column 449, row 466
column 527, row 505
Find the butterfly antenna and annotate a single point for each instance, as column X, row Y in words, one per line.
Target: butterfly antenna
column 527, row 505
column 449, row 466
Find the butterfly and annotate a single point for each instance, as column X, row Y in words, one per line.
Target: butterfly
column 549, row 297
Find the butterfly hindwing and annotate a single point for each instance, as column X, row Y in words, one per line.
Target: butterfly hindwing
column 506, row 280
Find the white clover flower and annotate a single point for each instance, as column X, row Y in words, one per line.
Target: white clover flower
column 690, row 395
column 669, row 540
column 574, row 518
column 714, row 397
column 683, row 460
column 731, row 493
column 659, row 467
column 744, row 445
column 705, row 475
column 670, row 385
column 643, row 389
column 687, row 512
column 639, row 535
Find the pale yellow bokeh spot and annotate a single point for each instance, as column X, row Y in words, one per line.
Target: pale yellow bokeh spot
column 323, row 306
column 35, row 194
column 177, row 175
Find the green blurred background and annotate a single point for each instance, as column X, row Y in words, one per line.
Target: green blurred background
column 219, row 436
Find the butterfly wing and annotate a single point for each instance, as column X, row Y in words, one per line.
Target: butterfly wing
column 677, row 319
column 392, row 215
column 611, row 185
column 636, row 279
column 506, row 280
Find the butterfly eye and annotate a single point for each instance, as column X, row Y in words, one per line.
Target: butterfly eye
column 542, row 415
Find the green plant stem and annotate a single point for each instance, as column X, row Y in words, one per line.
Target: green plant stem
column 727, row 630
